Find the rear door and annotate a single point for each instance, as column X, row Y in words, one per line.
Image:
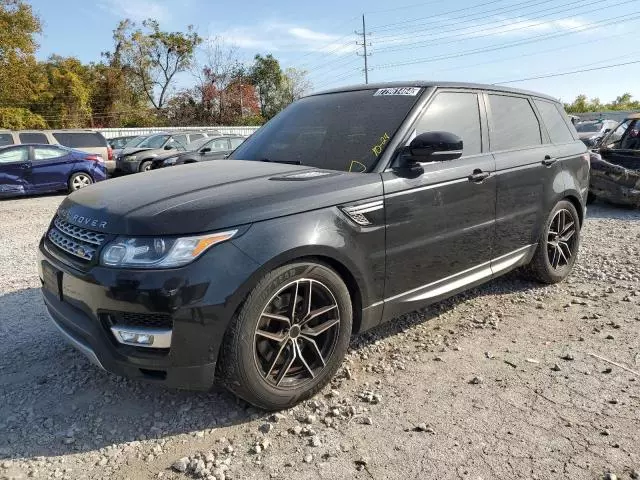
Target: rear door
column 15, row 171
column 50, row 168
column 440, row 225
column 526, row 165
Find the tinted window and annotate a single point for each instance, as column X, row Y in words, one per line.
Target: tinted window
column 236, row 142
column 556, row 126
column 180, row 139
column 514, row 123
column 631, row 136
column 45, row 153
column 345, row 131
column 33, row 137
column 154, row 141
column 80, row 139
column 18, row 154
column 6, row 139
column 195, row 136
column 457, row 113
column 219, row 145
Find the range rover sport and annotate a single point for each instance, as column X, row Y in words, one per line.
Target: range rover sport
column 349, row 208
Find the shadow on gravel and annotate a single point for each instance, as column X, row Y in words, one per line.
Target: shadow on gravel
column 603, row 210
column 54, row 402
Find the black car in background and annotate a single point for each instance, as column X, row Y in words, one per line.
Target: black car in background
column 346, row 210
column 215, row 148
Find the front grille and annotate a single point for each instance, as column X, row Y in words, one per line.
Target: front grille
column 144, row 320
column 76, row 241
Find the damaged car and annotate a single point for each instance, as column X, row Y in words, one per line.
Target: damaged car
column 615, row 165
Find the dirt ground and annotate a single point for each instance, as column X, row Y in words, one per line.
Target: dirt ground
column 510, row 380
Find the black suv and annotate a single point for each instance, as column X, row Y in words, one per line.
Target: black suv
column 347, row 209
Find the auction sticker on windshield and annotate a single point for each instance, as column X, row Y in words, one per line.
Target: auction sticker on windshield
column 408, row 91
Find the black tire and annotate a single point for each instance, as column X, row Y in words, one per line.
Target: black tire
column 245, row 354
column 145, row 166
column 79, row 180
column 542, row 266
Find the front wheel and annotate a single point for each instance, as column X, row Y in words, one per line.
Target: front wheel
column 79, row 180
column 558, row 245
column 289, row 337
column 145, row 166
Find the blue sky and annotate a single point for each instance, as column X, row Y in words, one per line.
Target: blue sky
column 485, row 41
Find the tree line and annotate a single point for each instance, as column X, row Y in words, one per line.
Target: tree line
column 583, row 105
column 135, row 83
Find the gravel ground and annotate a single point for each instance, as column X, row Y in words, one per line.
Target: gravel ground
column 504, row 381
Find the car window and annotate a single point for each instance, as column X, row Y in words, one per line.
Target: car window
column 613, row 140
column 556, row 126
column 33, row 137
column 457, row 113
column 195, row 136
column 631, row 137
column 588, row 127
column 236, row 142
column 80, row 139
column 45, row 153
column 219, row 144
column 514, row 123
column 154, row 141
column 180, row 139
column 6, row 139
column 135, row 142
column 17, row 154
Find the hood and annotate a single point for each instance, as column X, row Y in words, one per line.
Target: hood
column 211, row 196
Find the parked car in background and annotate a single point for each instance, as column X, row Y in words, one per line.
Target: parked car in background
column 591, row 132
column 35, row 168
column 138, row 158
column 348, row 209
column 615, row 165
column 118, row 143
column 215, row 148
column 84, row 140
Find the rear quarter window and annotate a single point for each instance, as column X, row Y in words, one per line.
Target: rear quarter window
column 80, row 139
column 33, row 137
column 6, row 139
column 556, row 126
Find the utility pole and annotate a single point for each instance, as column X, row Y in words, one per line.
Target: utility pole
column 364, row 44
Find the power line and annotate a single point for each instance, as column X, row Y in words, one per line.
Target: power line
column 573, row 72
column 619, row 20
column 364, row 46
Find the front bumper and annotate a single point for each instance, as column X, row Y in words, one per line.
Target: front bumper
column 127, row 167
column 199, row 304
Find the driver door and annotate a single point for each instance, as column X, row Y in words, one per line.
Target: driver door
column 441, row 225
column 15, row 171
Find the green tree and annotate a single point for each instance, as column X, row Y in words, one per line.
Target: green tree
column 266, row 75
column 295, row 85
column 154, row 57
column 20, row 118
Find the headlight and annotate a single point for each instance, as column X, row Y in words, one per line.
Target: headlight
column 160, row 252
column 170, row 161
column 129, row 158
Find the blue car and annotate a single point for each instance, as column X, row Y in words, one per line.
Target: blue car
column 33, row 168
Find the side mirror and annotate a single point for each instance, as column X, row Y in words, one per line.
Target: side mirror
column 435, row 147
column 205, row 150
column 169, row 147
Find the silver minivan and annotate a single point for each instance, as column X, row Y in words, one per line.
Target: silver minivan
column 84, row 140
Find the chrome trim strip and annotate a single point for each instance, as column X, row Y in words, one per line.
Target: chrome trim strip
column 81, row 347
column 447, row 152
column 460, row 279
column 427, row 187
column 161, row 336
column 365, row 207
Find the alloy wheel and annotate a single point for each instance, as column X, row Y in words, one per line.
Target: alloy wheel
column 296, row 333
column 81, row 181
column 561, row 239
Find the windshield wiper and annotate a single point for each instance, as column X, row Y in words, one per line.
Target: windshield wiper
column 286, row 162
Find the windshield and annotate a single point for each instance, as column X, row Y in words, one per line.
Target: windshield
column 135, row 141
column 588, row 127
column 154, row 141
column 345, row 131
column 613, row 139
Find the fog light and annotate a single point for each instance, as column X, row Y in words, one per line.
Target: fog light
column 143, row 337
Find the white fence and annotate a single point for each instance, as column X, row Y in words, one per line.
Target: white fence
column 123, row 132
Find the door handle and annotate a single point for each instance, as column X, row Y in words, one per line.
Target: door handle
column 478, row 176
column 549, row 160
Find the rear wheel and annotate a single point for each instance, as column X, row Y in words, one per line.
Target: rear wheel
column 145, row 166
column 558, row 245
column 79, row 180
column 289, row 337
